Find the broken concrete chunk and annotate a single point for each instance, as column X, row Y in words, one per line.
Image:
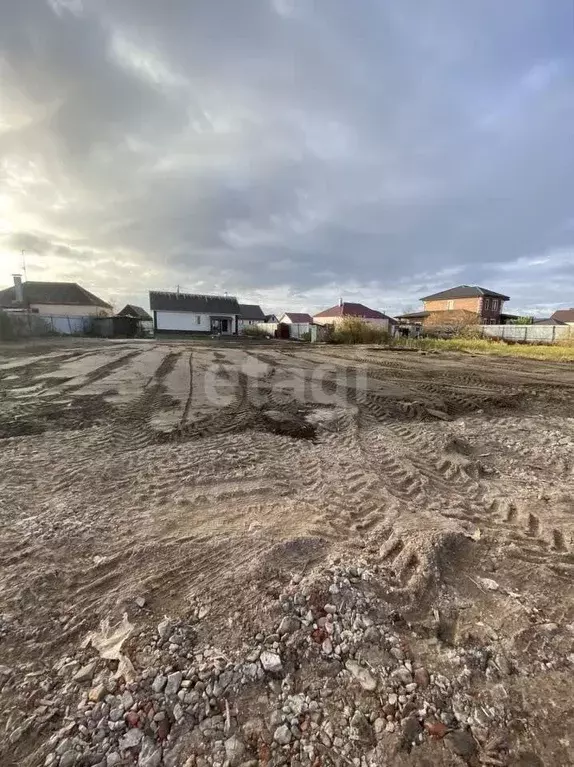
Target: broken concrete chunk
column 363, row 677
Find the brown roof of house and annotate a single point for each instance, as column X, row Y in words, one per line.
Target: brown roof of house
column 548, row 321
column 565, row 315
column 69, row 293
column 131, row 310
column 352, row 310
column 298, row 317
column 465, row 291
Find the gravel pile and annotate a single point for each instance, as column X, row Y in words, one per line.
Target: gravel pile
column 334, row 681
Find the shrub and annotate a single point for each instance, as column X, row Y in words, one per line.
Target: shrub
column 353, row 330
column 252, row 331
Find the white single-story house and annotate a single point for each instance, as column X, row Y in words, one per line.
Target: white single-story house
column 250, row 314
column 193, row 313
column 60, row 299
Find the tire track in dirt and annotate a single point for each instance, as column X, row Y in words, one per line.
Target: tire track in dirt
column 533, row 532
column 128, row 426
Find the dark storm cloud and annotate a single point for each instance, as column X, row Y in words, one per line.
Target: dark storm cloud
column 288, row 146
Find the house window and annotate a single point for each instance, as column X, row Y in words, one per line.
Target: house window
column 486, row 304
column 450, row 305
column 495, row 305
column 198, row 319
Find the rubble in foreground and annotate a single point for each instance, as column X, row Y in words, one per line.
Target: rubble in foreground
column 336, row 681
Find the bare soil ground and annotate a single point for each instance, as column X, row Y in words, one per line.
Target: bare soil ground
column 428, row 497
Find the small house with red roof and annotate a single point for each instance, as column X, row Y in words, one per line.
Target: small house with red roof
column 344, row 309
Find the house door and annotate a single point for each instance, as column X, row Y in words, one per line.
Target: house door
column 220, row 325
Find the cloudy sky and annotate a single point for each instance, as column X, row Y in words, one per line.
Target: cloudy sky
column 290, row 151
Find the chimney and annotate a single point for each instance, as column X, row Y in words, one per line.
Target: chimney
column 18, row 288
column 341, row 301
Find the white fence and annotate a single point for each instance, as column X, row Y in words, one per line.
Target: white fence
column 529, row 334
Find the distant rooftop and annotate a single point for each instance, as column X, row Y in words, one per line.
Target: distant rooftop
column 564, row 315
column 251, row 312
column 57, row 293
column 465, row 291
column 131, row 310
column 346, row 309
column 298, row 317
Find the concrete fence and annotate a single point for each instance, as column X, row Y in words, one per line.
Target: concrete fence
column 529, row 334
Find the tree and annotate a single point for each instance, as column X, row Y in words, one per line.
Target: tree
column 521, row 321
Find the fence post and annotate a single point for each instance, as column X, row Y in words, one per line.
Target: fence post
column 553, row 333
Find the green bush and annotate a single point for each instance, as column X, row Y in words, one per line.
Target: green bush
column 353, row 330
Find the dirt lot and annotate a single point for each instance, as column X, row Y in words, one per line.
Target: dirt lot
column 321, row 556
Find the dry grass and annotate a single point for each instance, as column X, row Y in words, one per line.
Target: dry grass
column 353, row 330
column 559, row 352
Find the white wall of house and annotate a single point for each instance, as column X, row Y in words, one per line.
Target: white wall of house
column 71, row 310
column 190, row 322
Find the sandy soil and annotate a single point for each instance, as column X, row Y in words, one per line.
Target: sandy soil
column 185, row 471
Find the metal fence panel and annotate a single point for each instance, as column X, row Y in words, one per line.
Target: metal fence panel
column 30, row 325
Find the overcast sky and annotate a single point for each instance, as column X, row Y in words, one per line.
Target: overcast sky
column 290, row 151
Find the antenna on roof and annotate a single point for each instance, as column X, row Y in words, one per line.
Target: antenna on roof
column 24, row 265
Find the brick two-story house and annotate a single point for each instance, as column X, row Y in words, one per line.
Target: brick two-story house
column 485, row 304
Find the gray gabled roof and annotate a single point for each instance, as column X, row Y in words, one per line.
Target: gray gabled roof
column 131, row 310
column 192, row 302
column 251, row 312
column 465, row 291
column 60, row 293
